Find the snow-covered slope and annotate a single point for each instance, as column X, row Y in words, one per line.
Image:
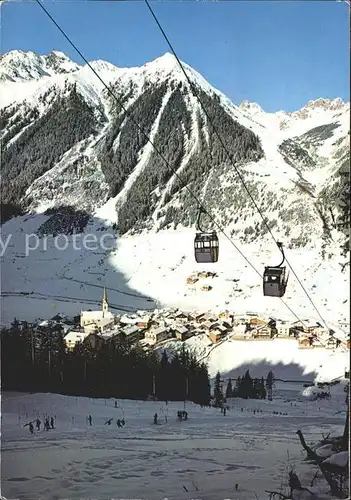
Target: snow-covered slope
column 66, row 142
column 17, row 66
column 253, row 446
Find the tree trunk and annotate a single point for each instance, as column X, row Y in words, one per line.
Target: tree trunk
column 310, row 453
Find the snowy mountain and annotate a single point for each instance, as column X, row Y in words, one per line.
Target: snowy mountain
column 71, row 155
column 17, row 66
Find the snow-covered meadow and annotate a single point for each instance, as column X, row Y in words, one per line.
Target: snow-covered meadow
column 202, row 458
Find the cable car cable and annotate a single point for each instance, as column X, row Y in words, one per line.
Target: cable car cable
column 141, row 130
column 155, row 148
column 193, row 88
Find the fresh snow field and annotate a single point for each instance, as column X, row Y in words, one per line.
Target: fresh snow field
column 207, row 455
column 150, row 270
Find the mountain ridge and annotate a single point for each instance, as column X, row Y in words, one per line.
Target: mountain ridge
column 166, row 61
column 113, row 157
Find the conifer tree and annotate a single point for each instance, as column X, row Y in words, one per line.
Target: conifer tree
column 247, row 386
column 217, row 393
column 263, row 392
column 269, row 385
column 229, row 390
column 237, row 390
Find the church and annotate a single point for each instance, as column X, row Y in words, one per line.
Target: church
column 97, row 321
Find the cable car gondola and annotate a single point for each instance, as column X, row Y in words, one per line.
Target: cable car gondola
column 206, row 244
column 275, row 278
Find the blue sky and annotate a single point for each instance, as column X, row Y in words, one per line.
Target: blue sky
column 278, row 54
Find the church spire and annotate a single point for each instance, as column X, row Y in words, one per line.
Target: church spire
column 104, row 302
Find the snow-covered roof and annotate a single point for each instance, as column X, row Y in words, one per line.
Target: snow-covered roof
column 160, row 329
column 130, row 330
column 92, row 314
column 75, row 336
column 182, row 329
column 128, row 319
column 107, row 320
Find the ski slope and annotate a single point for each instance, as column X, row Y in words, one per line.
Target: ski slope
column 201, row 458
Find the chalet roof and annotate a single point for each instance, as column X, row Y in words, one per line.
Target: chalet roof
column 127, row 320
column 194, row 315
column 75, row 335
column 221, row 327
column 182, row 329
column 106, row 321
column 160, row 329
column 208, row 317
column 144, row 319
column 180, row 314
column 206, row 324
column 130, row 330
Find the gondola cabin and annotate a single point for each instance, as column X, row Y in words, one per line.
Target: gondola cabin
column 206, row 247
column 274, row 281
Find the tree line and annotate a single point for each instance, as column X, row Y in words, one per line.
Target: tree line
column 35, row 359
column 245, row 387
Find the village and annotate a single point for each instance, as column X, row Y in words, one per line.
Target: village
column 152, row 329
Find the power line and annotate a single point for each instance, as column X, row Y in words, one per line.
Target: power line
column 193, row 88
column 157, row 150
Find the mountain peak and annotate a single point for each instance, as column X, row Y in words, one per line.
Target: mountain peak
column 59, row 54
column 251, row 107
column 18, row 65
column 165, row 63
column 332, row 104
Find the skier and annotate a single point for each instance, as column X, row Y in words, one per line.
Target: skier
column 119, row 423
column 123, row 422
column 38, row 423
column 47, row 425
column 52, row 423
column 185, row 413
column 224, row 411
column 115, row 404
column 90, row 420
column 155, row 418
column 31, row 428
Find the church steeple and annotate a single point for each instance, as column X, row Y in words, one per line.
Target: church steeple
column 104, row 303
